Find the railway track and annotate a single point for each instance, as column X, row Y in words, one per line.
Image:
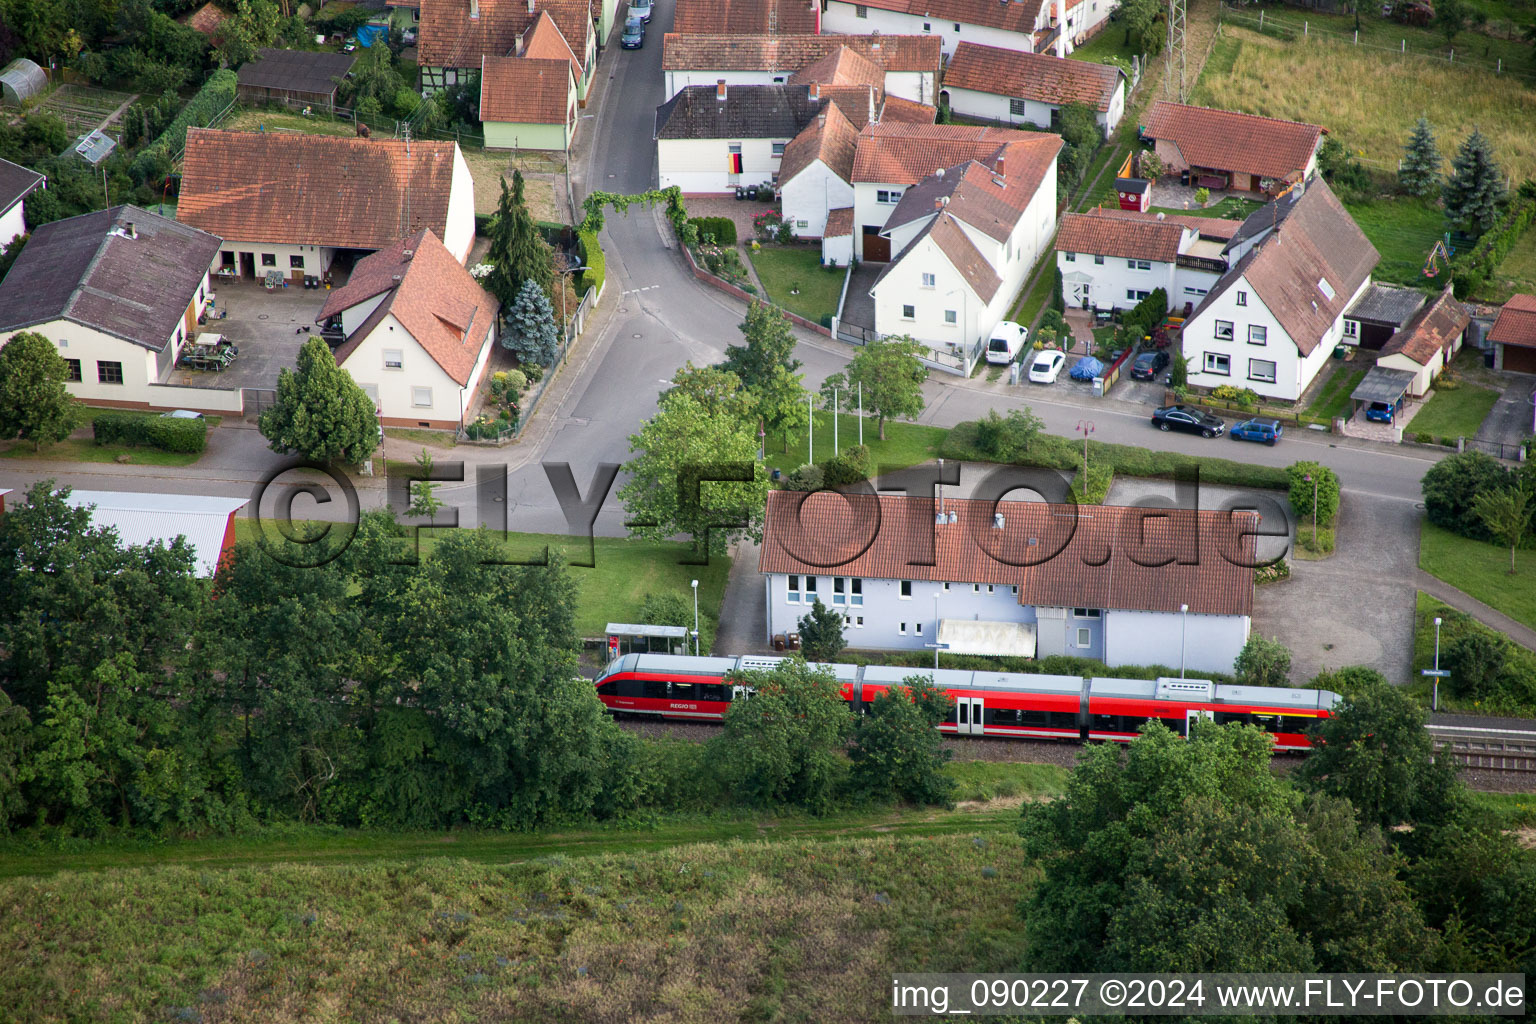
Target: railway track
column 1504, row 750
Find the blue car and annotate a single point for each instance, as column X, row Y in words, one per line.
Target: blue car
column 1381, row 412
column 1263, row 431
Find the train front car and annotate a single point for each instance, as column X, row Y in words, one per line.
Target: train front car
column 667, row 686
column 1117, row 708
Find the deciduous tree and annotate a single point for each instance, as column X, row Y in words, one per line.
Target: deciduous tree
column 898, row 751
column 1474, row 194
column 320, row 412
column 1263, row 662
column 717, row 391
column 1005, row 438
column 769, row 343
column 783, row 744
column 892, row 376
column 1506, row 514
column 253, row 25
column 1419, row 174
column 35, row 405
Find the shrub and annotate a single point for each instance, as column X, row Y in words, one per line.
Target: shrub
column 898, row 750
column 826, row 320
column 170, row 435
column 1202, row 195
column 1424, row 438
column 849, row 467
column 1451, row 485
column 806, row 478
column 595, row 270
column 1302, row 491
column 1272, row 573
column 534, row 372
column 216, row 94
column 1475, row 659
column 1263, row 662
column 723, row 228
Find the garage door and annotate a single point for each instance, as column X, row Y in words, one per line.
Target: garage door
column 876, row 249
column 1519, row 360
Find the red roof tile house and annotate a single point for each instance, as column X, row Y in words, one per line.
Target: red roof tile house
column 1036, row 573
column 418, row 332
column 910, row 63
column 1271, row 322
column 748, row 17
column 1112, row 259
column 964, row 235
column 288, row 203
column 456, row 34
column 1224, row 149
column 1029, row 26
column 527, row 103
column 1514, row 335
column 1011, row 87
column 1426, row 344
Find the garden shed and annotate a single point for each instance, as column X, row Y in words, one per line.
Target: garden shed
column 296, row 78
column 21, row 80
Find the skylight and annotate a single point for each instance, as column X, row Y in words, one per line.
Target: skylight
column 1324, row 287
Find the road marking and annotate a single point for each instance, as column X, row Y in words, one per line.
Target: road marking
column 647, row 288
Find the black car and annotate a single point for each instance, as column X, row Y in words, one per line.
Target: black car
column 1191, row 421
column 1148, row 365
column 633, row 36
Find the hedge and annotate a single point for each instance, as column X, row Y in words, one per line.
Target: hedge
column 1066, row 453
column 596, row 269
column 1471, row 272
column 216, row 94
column 723, row 228
column 134, row 429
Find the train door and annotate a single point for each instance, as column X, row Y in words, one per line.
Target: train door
column 969, row 712
column 1191, row 716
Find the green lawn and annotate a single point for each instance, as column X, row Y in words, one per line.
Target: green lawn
column 625, row 572
column 1454, row 413
column 905, row 444
column 1516, row 274
column 1230, row 208
column 1403, row 231
column 1521, row 663
column 1333, row 397
column 781, row 269
column 1031, row 302
column 83, row 449
column 426, row 438
column 1481, row 570
column 1108, row 43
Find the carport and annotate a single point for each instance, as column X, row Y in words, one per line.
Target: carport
column 1382, row 385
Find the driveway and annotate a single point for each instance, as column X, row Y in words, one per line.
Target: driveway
column 269, row 328
column 1509, row 421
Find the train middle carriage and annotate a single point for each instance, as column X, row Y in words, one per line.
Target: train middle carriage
column 1000, row 704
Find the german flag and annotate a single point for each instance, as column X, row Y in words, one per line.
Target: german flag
column 735, row 159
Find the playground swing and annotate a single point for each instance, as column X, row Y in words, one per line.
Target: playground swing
column 1440, row 251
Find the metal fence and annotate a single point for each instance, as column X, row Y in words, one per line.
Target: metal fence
column 950, row 358
column 1498, row 449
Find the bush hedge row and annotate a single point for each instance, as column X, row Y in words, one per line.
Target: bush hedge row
column 1125, row 460
column 723, row 228
column 1472, row 271
column 596, row 269
column 134, row 429
column 216, row 94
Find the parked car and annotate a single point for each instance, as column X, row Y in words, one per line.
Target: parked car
column 1191, row 421
column 640, row 9
column 1148, row 365
column 1263, row 431
column 1006, row 342
column 1047, row 366
column 633, row 36
column 181, row 414
column 1381, row 412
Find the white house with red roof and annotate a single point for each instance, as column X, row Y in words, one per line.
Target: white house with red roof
column 417, row 332
column 1514, row 335
column 1030, row 26
column 1112, row 259
column 1012, row 87
column 1224, row 149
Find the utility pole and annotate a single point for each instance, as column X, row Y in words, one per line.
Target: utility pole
column 1176, row 68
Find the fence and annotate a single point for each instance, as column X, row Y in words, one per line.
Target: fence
column 1282, row 26
column 723, row 285
column 946, row 360
column 1498, row 449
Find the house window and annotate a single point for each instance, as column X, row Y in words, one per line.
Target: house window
column 950, row 317
column 858, row 622
column 269, row 259
column 778, row 79
column 421, row 397
column 902, row 630
column 1218, row 362
column 839, row 590
column 810, row 589
column 1136, row 294
column 793, row 590
column 1084, row 637
column 1070, row 257
column 801, row 225
column 1098, row 261
column 856, row 592
column 975, row 588
column 1014, row 588
column 72, row 372
column 860, row 11
column 989, row 588
column 394, row 359
column 957, row 26
column 1351, row 328
column 1086, row 613
column 1242, row 298
column 908, row 312
column 887, row 195
column 109, row 372
column 1257, row 335
column 1262, row 370
column 906, row 590
column 1016, row 108
column 1191, row 290
column 1223, row 330
column 1139, row 264
column 296, row 262
column 918, row 631
column 778, row 149
column 927, row 27
column 929, row 280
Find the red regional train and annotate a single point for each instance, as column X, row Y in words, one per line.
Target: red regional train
column 985, row 703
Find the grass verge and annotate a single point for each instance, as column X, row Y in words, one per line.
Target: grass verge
column 83, row 449
column 426, row 438
column 1454, row 414
column 1520, row 665
column 905, row 444
column 1481, row 570
column 1516, row 274
column 781, row 269
column 1032, row 301
column 1310, row 546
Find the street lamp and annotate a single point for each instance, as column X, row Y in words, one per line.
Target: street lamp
column 1308, row 479
column 564, row 326
column 1183, row 633
column 1085, row 427
column 695, row 618
column 1435, row 702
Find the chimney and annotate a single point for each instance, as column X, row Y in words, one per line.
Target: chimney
column 815, row 91
column 530, row 6
column 474, row 8
column 1061, row 28
column 405, row 257
column 997, row 520
column 720, row 89
column 1000, row 172
column 938, row 204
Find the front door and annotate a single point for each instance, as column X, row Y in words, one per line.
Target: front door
column 969, row 715
column 248, row 265
column 876, row 249
column 1080, row 294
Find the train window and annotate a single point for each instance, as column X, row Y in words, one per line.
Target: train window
column 950, row 718
column 609, row 688
column 965, row 710
column 1062, row 719
column 631, row 688
column 713, row 691
column 1039, row 719
column 1003, row 716
column 655, row 688
column 1233, row 718
column 1131, row 723
column 1268, row 723
column 683, row 691
column 867, row 706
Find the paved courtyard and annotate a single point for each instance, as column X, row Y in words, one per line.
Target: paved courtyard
column 267, row 327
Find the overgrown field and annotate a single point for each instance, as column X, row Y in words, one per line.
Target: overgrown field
column 1368, row 98
column 732, row 931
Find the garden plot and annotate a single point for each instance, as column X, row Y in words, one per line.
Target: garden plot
column 84, row 108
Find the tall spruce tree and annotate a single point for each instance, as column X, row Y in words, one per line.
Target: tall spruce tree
column 1419, row 174
column 517, row 252
column 1475, row 192
column 531, row 331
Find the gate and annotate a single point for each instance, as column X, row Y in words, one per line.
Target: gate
column 255, row 401
column 1498, row 449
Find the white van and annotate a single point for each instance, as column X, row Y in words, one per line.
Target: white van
column 1007, row 341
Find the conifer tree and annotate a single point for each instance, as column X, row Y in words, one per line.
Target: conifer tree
column 1419, row 174
column 531, row 331
column 1475, row 191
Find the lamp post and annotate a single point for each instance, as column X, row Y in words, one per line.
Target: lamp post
column 861, row 412
column 565, row 327
column 1183, row 633
column 834, row 422
column 695, row 618
column 1434, row 704
column 1308, row 479
column 1085, row 427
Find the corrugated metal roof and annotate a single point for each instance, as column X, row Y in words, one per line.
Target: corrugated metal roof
column 141, row 518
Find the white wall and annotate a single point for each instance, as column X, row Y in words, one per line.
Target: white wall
column 353, row 316
column 679, row 80
column 810, row 194
column 917, row 86
column 90, row 346
column 992, row 107
column 459, row 233
column 1210, row 643
column 903, row 286
column 885, row 611
column 395, row 388
column 1114, row 278
column 11, row 225
column 314, row 260
column 843, row 17
column 1190, row 285
column 699, row 165
column 837, row 251
column 867, row 210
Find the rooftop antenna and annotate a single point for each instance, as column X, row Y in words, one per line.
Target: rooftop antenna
column 405, row 226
